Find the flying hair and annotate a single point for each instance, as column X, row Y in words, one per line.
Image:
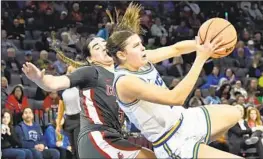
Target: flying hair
column 61, row 54
column 69, row 61
column 130, row 21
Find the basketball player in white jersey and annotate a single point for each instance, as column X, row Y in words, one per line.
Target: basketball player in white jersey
column 157, row 111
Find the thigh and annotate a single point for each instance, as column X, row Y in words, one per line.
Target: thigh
column 204, row 151
column 63, row 153
column 13, row 153
column 29, row 154
column 36, row 154
column 98, row 144
column 51, row 154
column 222, row 118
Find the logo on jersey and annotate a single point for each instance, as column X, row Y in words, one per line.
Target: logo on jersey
column 109, row 90
column 158, row 80
column 120, row 155
column 32, row 135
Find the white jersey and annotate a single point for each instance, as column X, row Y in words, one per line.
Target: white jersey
column 152, row 119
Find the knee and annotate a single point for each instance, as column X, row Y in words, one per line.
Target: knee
column 28, row 153
column 21, row 155
column 36, row 154
column 55, row 154
column 235, row 112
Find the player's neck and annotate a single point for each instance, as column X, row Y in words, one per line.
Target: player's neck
column 109, row 68
column 129, row 67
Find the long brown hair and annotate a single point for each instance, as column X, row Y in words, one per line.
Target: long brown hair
column 128, row 26
column 11, row 117
column 258, row 119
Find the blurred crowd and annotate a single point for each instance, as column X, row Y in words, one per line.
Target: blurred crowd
column 30, row 28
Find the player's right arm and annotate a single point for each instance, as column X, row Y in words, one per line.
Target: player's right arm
column 140, row 90
column 83, row 77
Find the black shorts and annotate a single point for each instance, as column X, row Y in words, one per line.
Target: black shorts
column 105, row 144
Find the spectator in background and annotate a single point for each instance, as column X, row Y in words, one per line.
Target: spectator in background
column 49, row 19
column 197, row 99
column 4, row 93
column 251, row 48
column 51, row 102
column 4, row 72
column 62, row 20
column 44, row 5
column 238, row 88
column 182, row 31
column 17, row 102
column 212, row 79
column 194, row 22
column 81, row 44
column 10, row 144
column 256, row 67
column 241, row 60
column 17, row 31
column 258, row 41
column 105, row 31
column 58, row 141
column 59, row 6
column 6, row 43
column 230, row 76
column 7, row 21
column 253, row 118
column 255, row 13
column 157, row 29
column 253, row 101
column 245, row 36
column 73, row 34
column 212, row 98
column 31, row 137
column 253, row 87
column 241, row 46
column 51, row 70
column 12, row 63
column 67, row 43
column 76, row 15
column 43, row 61
column 240, row 136
column 59, row 66
column 224, row 91
column 240, row 99
column 28, row 57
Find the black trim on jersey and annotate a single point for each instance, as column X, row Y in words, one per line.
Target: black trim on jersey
column 84, row 77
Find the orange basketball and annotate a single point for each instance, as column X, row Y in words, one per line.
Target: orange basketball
column 217, row 27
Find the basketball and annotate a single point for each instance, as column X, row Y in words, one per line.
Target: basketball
column 217, row 27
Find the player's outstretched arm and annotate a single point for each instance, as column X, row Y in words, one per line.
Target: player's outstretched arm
column 177, row 49
column 139, row 89
column 85, row 76
column 46, row 82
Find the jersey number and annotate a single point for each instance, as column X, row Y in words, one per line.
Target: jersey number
column 158, row 80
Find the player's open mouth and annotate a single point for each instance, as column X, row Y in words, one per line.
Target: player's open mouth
column 144, row 56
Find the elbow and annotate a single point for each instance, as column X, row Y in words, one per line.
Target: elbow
column 178, row 101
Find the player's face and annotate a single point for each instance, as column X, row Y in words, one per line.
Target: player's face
column 98, row 52
column 134, row 53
